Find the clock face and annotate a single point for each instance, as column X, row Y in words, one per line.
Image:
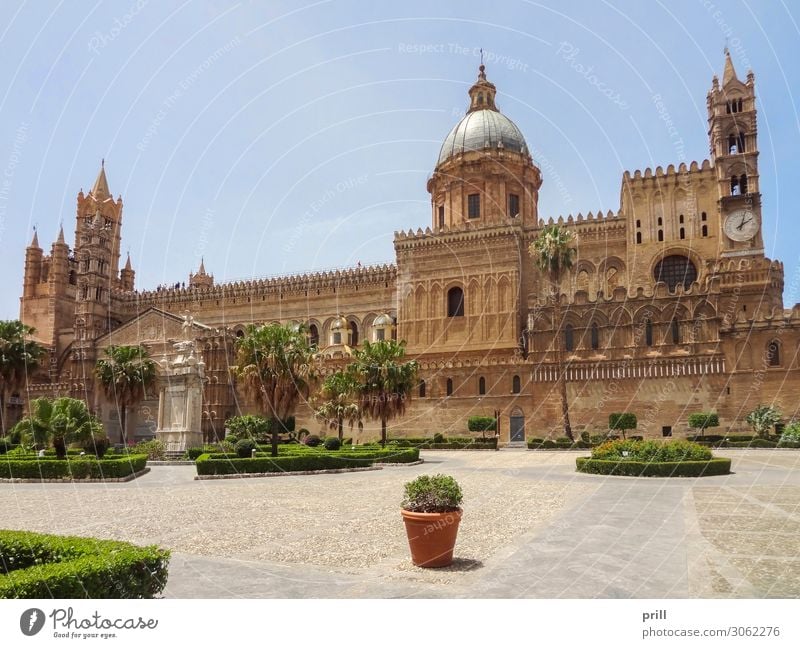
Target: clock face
column 741, row 225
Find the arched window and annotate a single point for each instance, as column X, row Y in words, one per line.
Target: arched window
column 774, row 354
column 680, row 219
column 353, row 334
column 638, row 237
column 648, row 332
column 660, row 235
column 455, row 302
column 704, row 230
column 674, row 270
column 743, row 184
column 675, row 330
column 449, row 386
column 735, row 188
column 481, row 385
column 313, row 335
column 569, row 338
column 660, row 221
column 515, row 385
column 422, row 389
column 595, row 336
column 682, row 233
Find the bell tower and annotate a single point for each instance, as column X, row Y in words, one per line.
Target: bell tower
column 97, row 251
column 733, row 136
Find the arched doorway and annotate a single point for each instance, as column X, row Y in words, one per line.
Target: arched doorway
column 517, row 426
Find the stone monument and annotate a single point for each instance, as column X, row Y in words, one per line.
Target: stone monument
column 181, row 395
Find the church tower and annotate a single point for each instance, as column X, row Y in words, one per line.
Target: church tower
column 97, row 251
column 732, row 131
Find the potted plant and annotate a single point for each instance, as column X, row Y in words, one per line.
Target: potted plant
column 431, row 512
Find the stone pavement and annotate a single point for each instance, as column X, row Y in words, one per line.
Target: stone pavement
column 532, row 528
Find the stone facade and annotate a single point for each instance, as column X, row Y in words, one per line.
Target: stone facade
column 671, row 306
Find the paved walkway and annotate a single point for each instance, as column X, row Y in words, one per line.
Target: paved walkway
column 532, row 528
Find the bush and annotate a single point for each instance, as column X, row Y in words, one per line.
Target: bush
column 97, row 446
column 563, row 439
column 585, row 437
column 347, row 441
column 312, row 440
column 791, row 434
column 211, row 465
column 248, row 426
column 708, row 438
column 439, row 438
column 154, row 449
column 6, row 445
column 73, row 467
column 708, row 468
column 432, row 494
column 622, row 421
column 244, row 448
column 39, row 566
column 703, row 420
column 651, row 451
column 755, row 443
column 481, row 423
column 762, row 419
column 333, row 443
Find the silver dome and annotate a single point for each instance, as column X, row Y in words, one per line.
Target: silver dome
column 481, row 129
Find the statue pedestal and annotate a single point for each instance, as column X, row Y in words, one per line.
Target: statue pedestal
column 180, row 399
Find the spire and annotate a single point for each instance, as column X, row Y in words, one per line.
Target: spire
column 128, row 262
column 35, row 241
column 729, row 73
column 202, row 269
column 60, row 239
column 100, row 188
column 482, row 92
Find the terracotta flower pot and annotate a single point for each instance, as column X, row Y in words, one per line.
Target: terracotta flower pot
column 431, row 537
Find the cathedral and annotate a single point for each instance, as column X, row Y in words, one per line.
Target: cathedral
column 671, row 306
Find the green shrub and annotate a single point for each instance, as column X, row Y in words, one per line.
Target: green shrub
column 33, row 467
column 154, row 449
column 790, row 434
column 347, row 441
column 585, row 437
column 651, row 451
column 206, row 465
column 97, row 446
column 563, row 439
column 244, row 448
column 481, row 424
column 332, row 443
column 703, row 420
column 312, row 440
column 622, row 422
column 439, row 438
column 755, row 443
column 6, row 445
column 707, row 438
column 432, row 494
column 710, row 467
column 247, row 426
column 762, row 419
column 39, row 566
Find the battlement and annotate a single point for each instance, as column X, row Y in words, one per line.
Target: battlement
column 279, row 284
column 671, row 171
column 580, row 219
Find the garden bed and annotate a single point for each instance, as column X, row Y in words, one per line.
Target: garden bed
column 716, row 466
column 305, row 461
column 41, row 566
column 84, row 469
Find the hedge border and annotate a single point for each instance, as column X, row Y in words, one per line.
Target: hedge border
column 711, row 468
column 292, row 473
column 43, row 469
column 78, row 567
column 110, row 480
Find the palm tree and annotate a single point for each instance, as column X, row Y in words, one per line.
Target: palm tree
column 553, row 254
column 275, row 366
column 337, row 402
column 385, row 382
column 61, row 422
column 19, row 358
column 125, row 374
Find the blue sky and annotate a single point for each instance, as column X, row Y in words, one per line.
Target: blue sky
column 274, row 137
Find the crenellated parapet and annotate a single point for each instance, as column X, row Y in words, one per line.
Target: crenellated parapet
column 671, row 172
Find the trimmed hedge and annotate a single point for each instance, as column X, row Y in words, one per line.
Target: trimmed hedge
column 206, row 465
column 549, row 444
column 716, row 466
column 389, row 455
column 41, row 566
column 86, row 467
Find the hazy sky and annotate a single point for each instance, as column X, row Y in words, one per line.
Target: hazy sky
column 273, row 137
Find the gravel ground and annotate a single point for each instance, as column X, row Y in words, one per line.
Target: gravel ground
column 344, row 523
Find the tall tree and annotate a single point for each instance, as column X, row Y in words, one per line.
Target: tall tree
column 385, row 381
column 275, row 365
column 125, row 374
column 61, row 421
column 19, row 359
column 553, row 253
column 337, row 402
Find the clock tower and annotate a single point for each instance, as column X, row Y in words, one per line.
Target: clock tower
column 732, row 131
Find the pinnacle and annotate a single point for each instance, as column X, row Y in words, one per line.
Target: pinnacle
column 729, row 74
